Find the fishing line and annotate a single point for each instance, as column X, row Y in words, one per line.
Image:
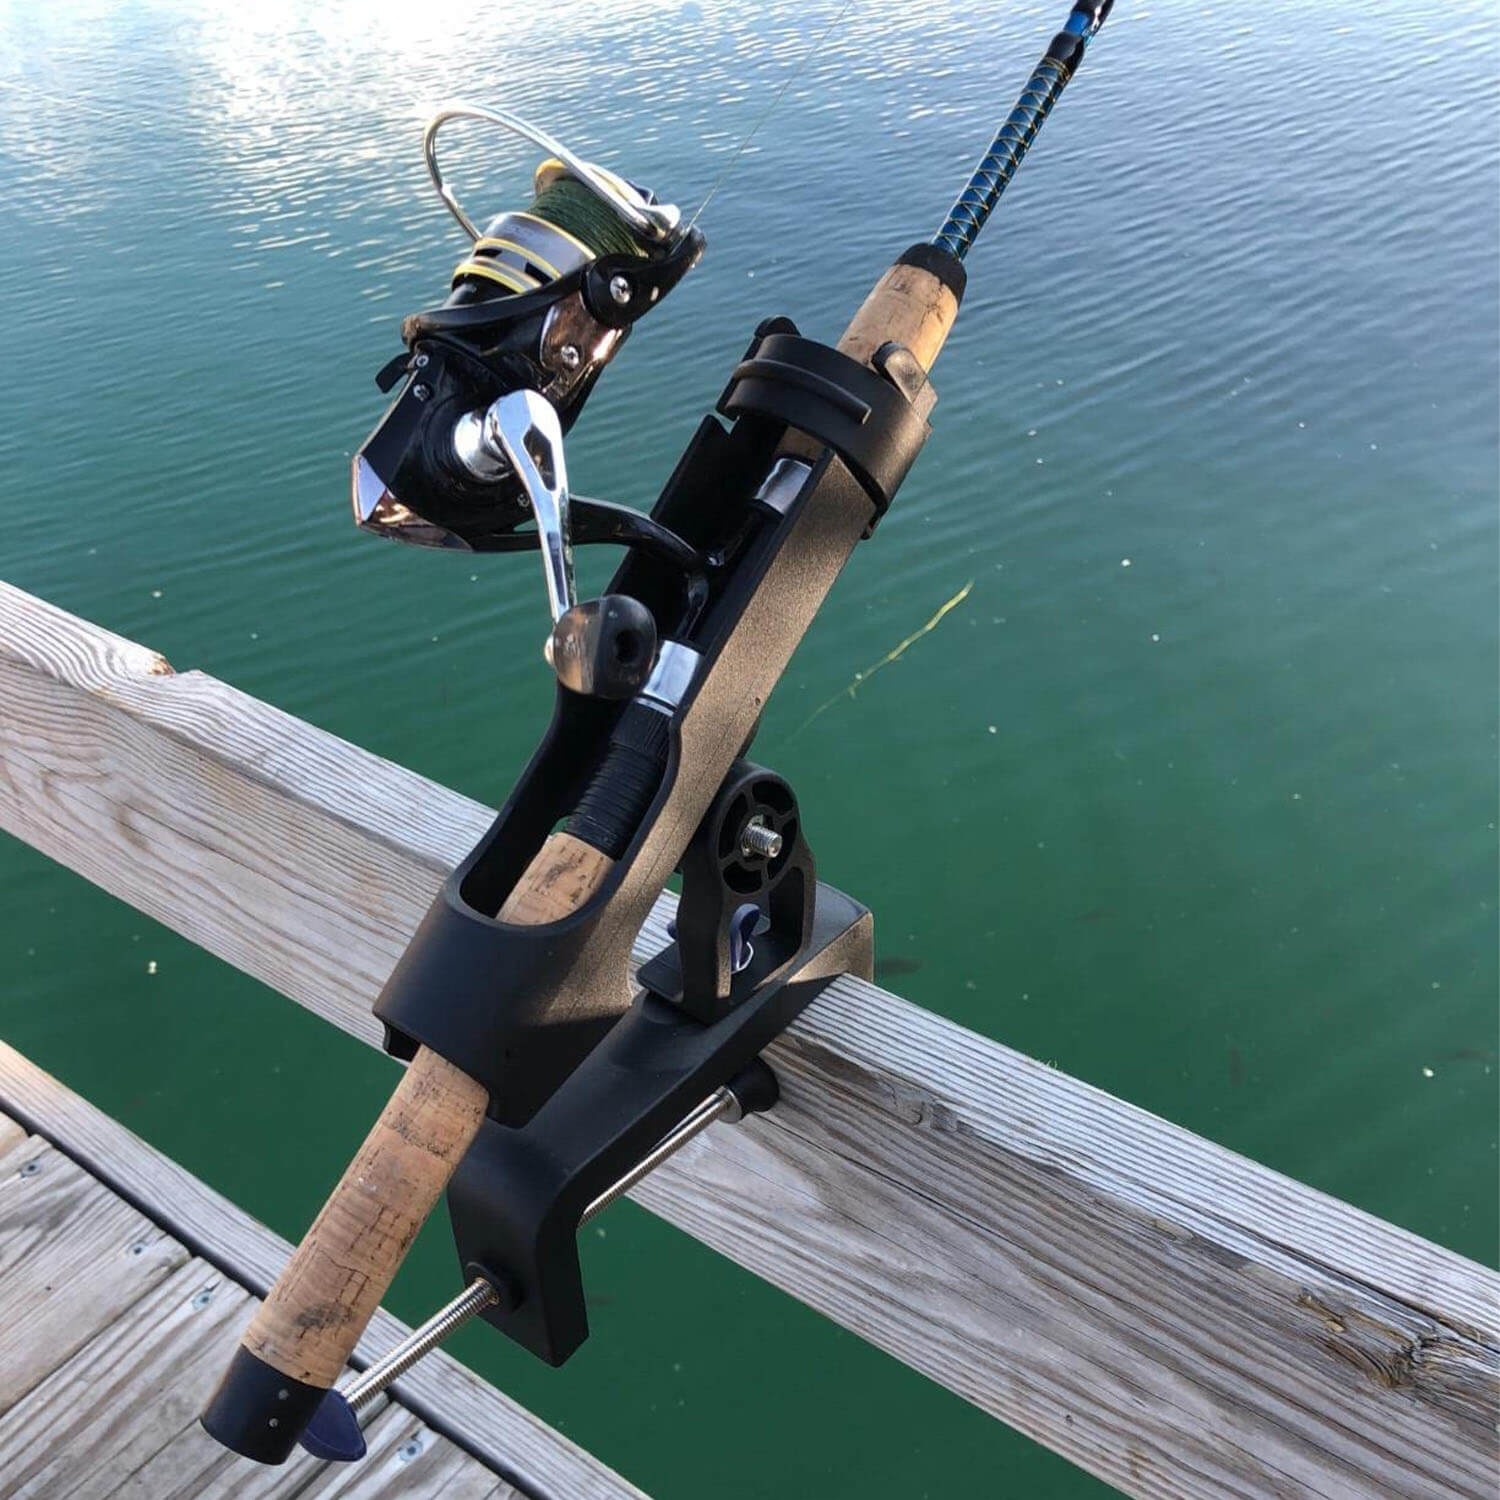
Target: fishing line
column 572, row 207
column 770, row 109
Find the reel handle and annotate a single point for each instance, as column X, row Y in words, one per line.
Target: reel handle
column 304, row 1332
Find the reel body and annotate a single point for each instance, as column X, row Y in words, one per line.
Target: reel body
column 542, row 302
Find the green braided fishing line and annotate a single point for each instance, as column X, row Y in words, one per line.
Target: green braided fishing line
column 573, row 207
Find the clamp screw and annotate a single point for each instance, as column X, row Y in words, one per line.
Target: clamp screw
column 569, row 357
column 421, row 392
column 758, row 841
column 619, row 289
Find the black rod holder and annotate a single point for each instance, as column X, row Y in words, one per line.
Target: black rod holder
column 519, row 1194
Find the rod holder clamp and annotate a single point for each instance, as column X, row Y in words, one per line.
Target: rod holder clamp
column 696, row 1026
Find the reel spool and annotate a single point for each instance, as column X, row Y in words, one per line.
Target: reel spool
column 541, row 303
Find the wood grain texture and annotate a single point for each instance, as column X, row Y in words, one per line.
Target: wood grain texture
column 119, row 1420
column 408, row 1460
column 73, row 1259
column 98, row 1418
column 314, row 1316
column 1176, row 1319
column 439, row 1391
column 192, row 1466
column 405, row 1459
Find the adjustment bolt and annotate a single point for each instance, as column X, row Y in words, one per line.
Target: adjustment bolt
column 759, row 842
column 619, row 289
column 420, row 362
column 421, row 392
column 569, row 357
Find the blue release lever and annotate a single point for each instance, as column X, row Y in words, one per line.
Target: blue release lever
column 334, row 1431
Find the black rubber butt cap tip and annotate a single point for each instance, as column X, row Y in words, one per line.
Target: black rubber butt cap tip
column 258, row 1412
column 943, row 264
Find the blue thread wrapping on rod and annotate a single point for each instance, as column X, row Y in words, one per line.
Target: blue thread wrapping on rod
column 998, row 165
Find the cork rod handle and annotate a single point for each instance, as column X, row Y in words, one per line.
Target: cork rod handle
column 316, row 1313
column 914, row 303
column 303, row 1334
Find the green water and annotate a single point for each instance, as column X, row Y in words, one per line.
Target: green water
column 1214, row 830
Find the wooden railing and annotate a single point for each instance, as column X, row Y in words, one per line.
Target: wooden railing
column 1170, row 1316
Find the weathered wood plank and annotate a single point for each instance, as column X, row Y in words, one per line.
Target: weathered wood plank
column 501, row 1432
column 1178, row 1320
column 192, row 1466
column 170, row 791
column 405, row 1458
column 125, row 1395
column 119, row 1420
column 77, row 1263
column 73, row 1258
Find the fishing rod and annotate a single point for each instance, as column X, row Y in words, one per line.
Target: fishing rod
column 543, row 1081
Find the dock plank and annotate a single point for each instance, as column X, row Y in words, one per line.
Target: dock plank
column 408, row 1459
column 73, row 1259
column 405, row 1457
column 118, row 1421
column 192, row 1466
column 98, row 1418
column 441, row 1391
column 11, row 1134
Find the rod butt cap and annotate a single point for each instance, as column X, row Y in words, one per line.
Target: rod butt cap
column 257, row 1411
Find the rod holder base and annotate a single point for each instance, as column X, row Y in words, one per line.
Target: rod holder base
column 519, row 1194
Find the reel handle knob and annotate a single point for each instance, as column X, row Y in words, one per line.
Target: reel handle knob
column 604, row 648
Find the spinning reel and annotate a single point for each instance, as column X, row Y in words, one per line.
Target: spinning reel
column 470, row 453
